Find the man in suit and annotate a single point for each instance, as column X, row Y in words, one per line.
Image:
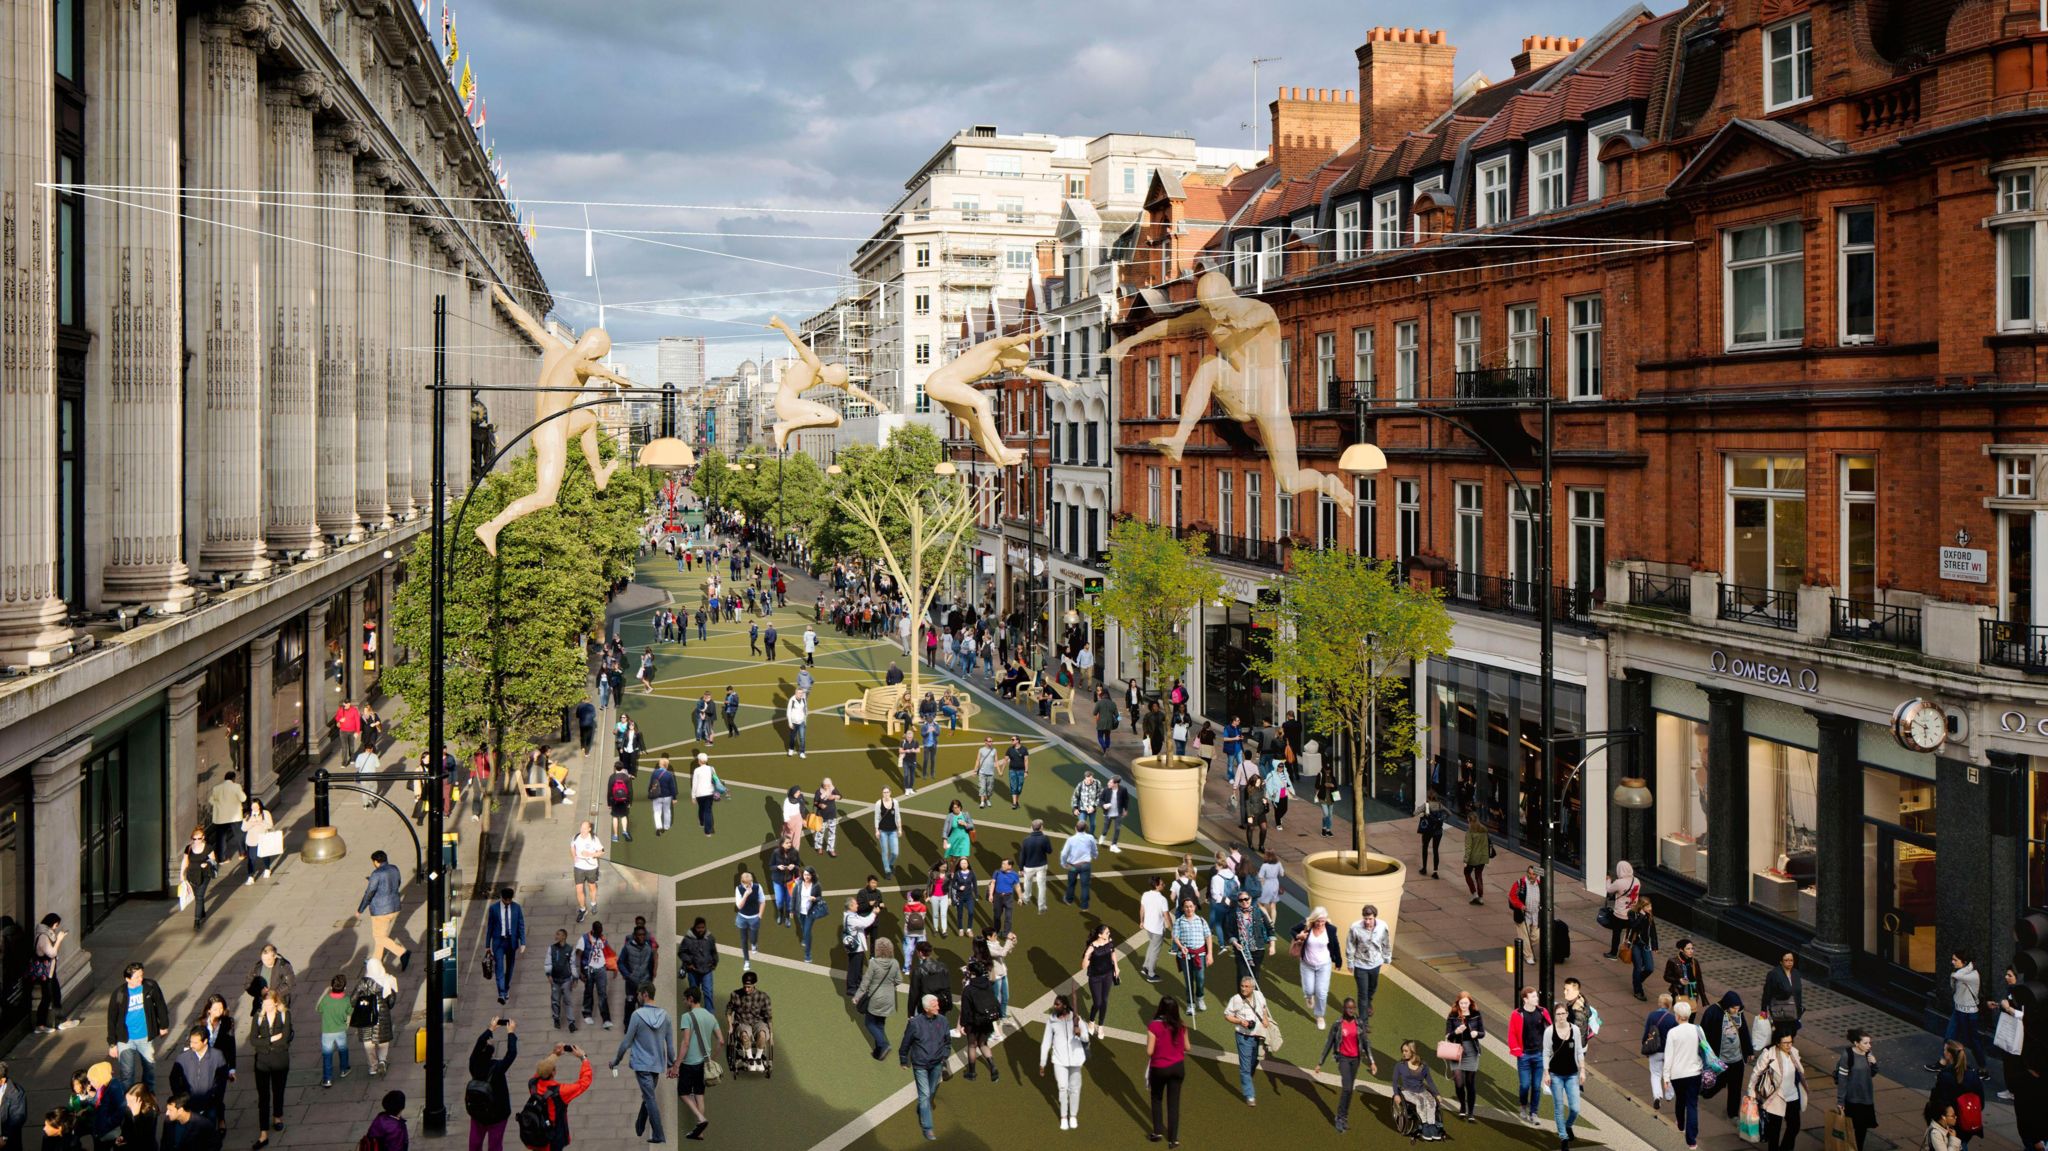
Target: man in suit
column 505, row 935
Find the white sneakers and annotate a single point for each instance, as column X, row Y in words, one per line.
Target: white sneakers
column 1114, row 848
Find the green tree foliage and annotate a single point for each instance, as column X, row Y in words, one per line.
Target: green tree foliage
column 710, row 479
column 1155, row 584
column 512, row 660
column 903, row 465
column 1346, row 628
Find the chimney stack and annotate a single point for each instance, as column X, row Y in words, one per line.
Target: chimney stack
column 1309, row 126
column 1404, row 81
column 1539, row 51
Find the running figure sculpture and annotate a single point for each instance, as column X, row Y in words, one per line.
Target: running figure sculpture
column 793, row 412
column 562, row 366
column 952, row 386
column 1242, row 375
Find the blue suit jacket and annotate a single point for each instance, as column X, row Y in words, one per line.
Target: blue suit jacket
column 505, row 926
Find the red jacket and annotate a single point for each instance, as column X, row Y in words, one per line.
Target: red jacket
column 1515, row 1030
column 1518, row 894
column 569, row 1092
column 348, row 719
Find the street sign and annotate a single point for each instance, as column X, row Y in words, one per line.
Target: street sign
column 1091, row 586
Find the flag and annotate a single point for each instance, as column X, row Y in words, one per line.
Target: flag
column 466, row 88
column 482, row 111
column 449, row 50
column 422, row 6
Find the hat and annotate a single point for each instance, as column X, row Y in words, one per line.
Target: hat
column 100, row 1074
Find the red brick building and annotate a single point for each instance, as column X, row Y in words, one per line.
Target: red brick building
column 1779, row 268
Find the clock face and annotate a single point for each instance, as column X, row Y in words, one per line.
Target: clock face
column 1920, row 725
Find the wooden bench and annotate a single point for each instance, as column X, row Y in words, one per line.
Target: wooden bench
column 1062, row 699
column 877, row 705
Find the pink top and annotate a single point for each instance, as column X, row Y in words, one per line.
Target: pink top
column 1168, row 1050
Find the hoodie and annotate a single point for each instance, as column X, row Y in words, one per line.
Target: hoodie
column 1715, row 1032
column 1624, row 888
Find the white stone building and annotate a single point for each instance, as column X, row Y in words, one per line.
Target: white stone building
column 217, row 428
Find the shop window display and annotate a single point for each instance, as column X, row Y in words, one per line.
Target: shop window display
column 1682, row 797
column 1783, row 815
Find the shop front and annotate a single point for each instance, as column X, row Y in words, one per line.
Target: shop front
column 1485, row 754
column 289, row 706
column 122, row 837
column 1226, row 684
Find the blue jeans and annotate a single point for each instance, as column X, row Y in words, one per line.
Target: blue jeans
column 1016, row 786
column 963, row 912
column 1564, row 1103
column 877, row 1028
column 1002, row 987
column 1113, row 828
column 1329, row 813
column 703, row 985
column 332, row 1043
column 1102, row 738
column 928, row 1079
column 803, row 930
column 797, row 737
column 1247, row 1062
column 1529, row 1081
column 1962, row 1027
column 888, row 840
column 1082, row 875
column 909, row 773
column 1641, row 961
column 650, row 1103
column 931, row 759
column 782, row 902
column 1085, row 819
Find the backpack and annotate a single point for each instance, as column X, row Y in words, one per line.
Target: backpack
column 978, row 1005
column 364, row 1013
column 938, row 980
column 1970, row 1115
column 369, row 1143
column 537, row 1118
column 621, row 790
column 478, row 1102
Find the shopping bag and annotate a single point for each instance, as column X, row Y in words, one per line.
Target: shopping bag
column 270, row 844
column 1750, row 1123
column 184, row 895
column 2011, row 1035
column 1837, row 1132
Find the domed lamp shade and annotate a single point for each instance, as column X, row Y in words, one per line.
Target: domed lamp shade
column 667, row 452
column 1362, row 460
column 1632, row 794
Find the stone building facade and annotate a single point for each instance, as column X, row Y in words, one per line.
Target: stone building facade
column 226, row 226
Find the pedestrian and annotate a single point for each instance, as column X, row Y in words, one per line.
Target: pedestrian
column 348, row 723
column 1256, row 808
column 1656, row 1026
column 1105, row 719
column 825, row 817
column 1478, row 849
column 381, row 901
column 200, row 1073
column 372, row 1007
column 505, row 935
column 1413, row 1086
column 960, row 884
column 334, row 1008
column 559, row 966
column 2009, row 1038
column 888, row 830
column 226, row 804
column 927, row 1045
column 754, row 638
column 1944, row 1130
column 1116, row 804
column 1729, row 1033
column 650, row 1049
column 488, row 1098
column 661, row 795
column 1271, row 873
column 271, row 972
column 1465, row 1026
column 853, row 936
column 930, row 730
column 1683, row 1065
column 1166, row 1071
column 1564, row 1061
column 1019, row 758
column 139, row 1124
column 702, row 715
column 874, row 995
column 750, row 1020
column 1279, row 782
column 1249, row 1017
column 808, row 905
column 1315, row 945
column 1527, row 1027
column 646, row 674
column 1682, row 975
column 1623, row 889
column 792, row 827
column 731, row 711
column 796, row 714
column 270, row 1056
column 218, row 1025
column 1524, row 903
column 995, row 949
column 1778, row 1084
column 747, row 899
column 768, row 641
column 594, row 960
column 366, row 765
column 256, row 825
column 1064, row 1048
column 555, row 1095
column 1965, row 991
column 1370, row 944
column 636, row 962
column 1078, row 857
column 187, row 1127
column 1856, row 1084
column 586, row 725
column 906, row 758
column 1086, row 799
column 631, row 744
column 1103, row 967
column 1955, row 1077
column 1784, row 997
column 1134, row 698
column 811, row 640
column 1155, row 917
column 1641, row 943
column 1002, row 896
column 705, row 789
column 985, row 771
column 42, row 974
column 197, row 865
column 958, row 833
column 1034, row 856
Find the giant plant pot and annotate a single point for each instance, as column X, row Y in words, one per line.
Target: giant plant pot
column 1335, row 885
column 1169, row 797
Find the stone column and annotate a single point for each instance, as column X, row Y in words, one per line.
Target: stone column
column 462, row 333
column 59, row 886
column 262, row 781
column 132, row 68
column 1727, row 805
column 373, row 285
column 290, row 307
column 321, row 698
column 335, row 403
column 222, row 277
column 397, row 307
column 1838, row 853
column 181, row 790
column 425, row 282
column 32, row 619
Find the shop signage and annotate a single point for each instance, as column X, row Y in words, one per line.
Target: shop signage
column 1965, row 565
column 1762, row 671
column 2020, row 723
column 1240, row 588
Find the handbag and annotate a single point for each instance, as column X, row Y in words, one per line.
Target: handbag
column 611, row 958
column 1450, row 1050
column 814, row 822
column 713, row 1071
column 1837, row 1132
column 1627, row 953
column 39, row 968
column 490, row 966
column 2010, row 1035
column 1295, row 948
column 1749, row 1124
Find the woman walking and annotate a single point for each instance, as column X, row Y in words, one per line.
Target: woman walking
column 1270, row 875
column 1779, row 1087
column 1954, row 1079
column 808, row 904
column 196, row 868
column 938, row 899
column 42, row 974
column 1103, row 967
column 962, row 888
column 1256, row 810
column 487, row 1117
column 1478, row 849
column 888, row 830
column 979, row 1011
column 1429, row 825
column 874, row 996
column 1682, row 1068
column 1166, row 1068
column 1279, row 788
column 255, row 825
column 825, row 805
column 1622, row 892
column 959, row 835
column 1465, row 1027
column 1065, row 1048
column 1327, row 792
column 219, row 1023
column 746, row 901
column 1350, row 1041
column 793, row 815
column 1413, row 1086
column 270, row 1050
column 375, row 1001
column 1641, row 933
column 995, row 949
column 1315, row 944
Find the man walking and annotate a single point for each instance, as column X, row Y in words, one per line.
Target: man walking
column 797, row 714
column 1153, row 917
column 1019, row 758
column 931, row 746
column 985, row 770
column 1078, row 857
column 560, row 969
column 768, row 639
column 1087, row 796
column 661, row 793
column 226, row 805
column 505, row 936
column 697, row 955
column 927, row 1044
column 380, row 899
column 704, row 788
column 704, row 714
column 649, row 1048
column 348, row 721
column 1105, row 718
column 1525, row 897
column 811, row 644
column 136, row 1018
column 367, row 764
column 1034, row 855
column 1370, row 945
column 586, row 726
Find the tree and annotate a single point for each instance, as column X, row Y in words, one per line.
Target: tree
column 1344, row 627
column 1156, row 581
column 903, row 465
column 710, row 479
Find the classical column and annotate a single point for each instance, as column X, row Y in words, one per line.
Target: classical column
column 1727, row 805
column 224, row 381
column 335, row 403
column 398, row 306
column 32, row 627
column 290, row 306
column 425, row 282
column 55, row 780
column 321, row 697
column 373, row 285
column 1838, row 847
column 182, row 787
column 132, row 248
column 262, row 780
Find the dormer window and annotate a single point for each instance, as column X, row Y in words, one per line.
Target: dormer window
column 1788, row 63
column 1423, row 188
column 1547, row 186
column 1243, row 262
column 1495, row 198
column 1386, row 222
column 1350, row 232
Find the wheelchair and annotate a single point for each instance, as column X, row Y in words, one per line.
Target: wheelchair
column 737, row 1060
column 1408, row 1122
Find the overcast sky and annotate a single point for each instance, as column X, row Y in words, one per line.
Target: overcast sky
column 756, row 109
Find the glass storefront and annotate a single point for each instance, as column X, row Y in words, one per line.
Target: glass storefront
column 288, row 682
column 373, row 636
column 2037, row 839
column 17, row 931
column 1783, row 832
column 1898, row 872
column 224, row 718
column 122, row 843
column 1486, row 748
column 334, row 657
column 1681, row 791
column 1229, row 686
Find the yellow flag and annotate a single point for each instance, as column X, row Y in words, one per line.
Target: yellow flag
column 468, row 86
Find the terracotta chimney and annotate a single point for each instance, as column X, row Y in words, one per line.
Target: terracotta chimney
column 1309, row 126
column 1404, row 81
column 1538, row 51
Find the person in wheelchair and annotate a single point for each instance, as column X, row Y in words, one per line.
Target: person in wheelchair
column 1416, row 1101
column 748, row 1016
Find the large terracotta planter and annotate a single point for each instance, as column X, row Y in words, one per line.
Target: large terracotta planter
column 1169, row 797
column 1332, row 884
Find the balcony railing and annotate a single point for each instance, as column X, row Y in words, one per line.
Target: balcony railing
column 1501, row 384
column 1263, row 553
column 1667, row 592
column 1510, row 596
column 1875, row 622
column 2003, row 643
column 1770, row 607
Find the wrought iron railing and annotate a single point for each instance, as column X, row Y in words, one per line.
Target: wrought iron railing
column 1654, row 589
column 1501, row 384
column 1875, row 622
column 1743, row 603
column 2004, row 643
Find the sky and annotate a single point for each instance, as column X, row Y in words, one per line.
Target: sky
column 789, row 128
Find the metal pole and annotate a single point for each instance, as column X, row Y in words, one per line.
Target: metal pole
column 1547, row 962
column 434, row 1119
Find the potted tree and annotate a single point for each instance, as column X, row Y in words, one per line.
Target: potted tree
column 1155, row 584
column 1345, row 627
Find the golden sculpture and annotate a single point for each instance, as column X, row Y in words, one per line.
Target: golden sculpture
column 952, row 387
column 563, row 366
column 1242, row 375
column 793, row 412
